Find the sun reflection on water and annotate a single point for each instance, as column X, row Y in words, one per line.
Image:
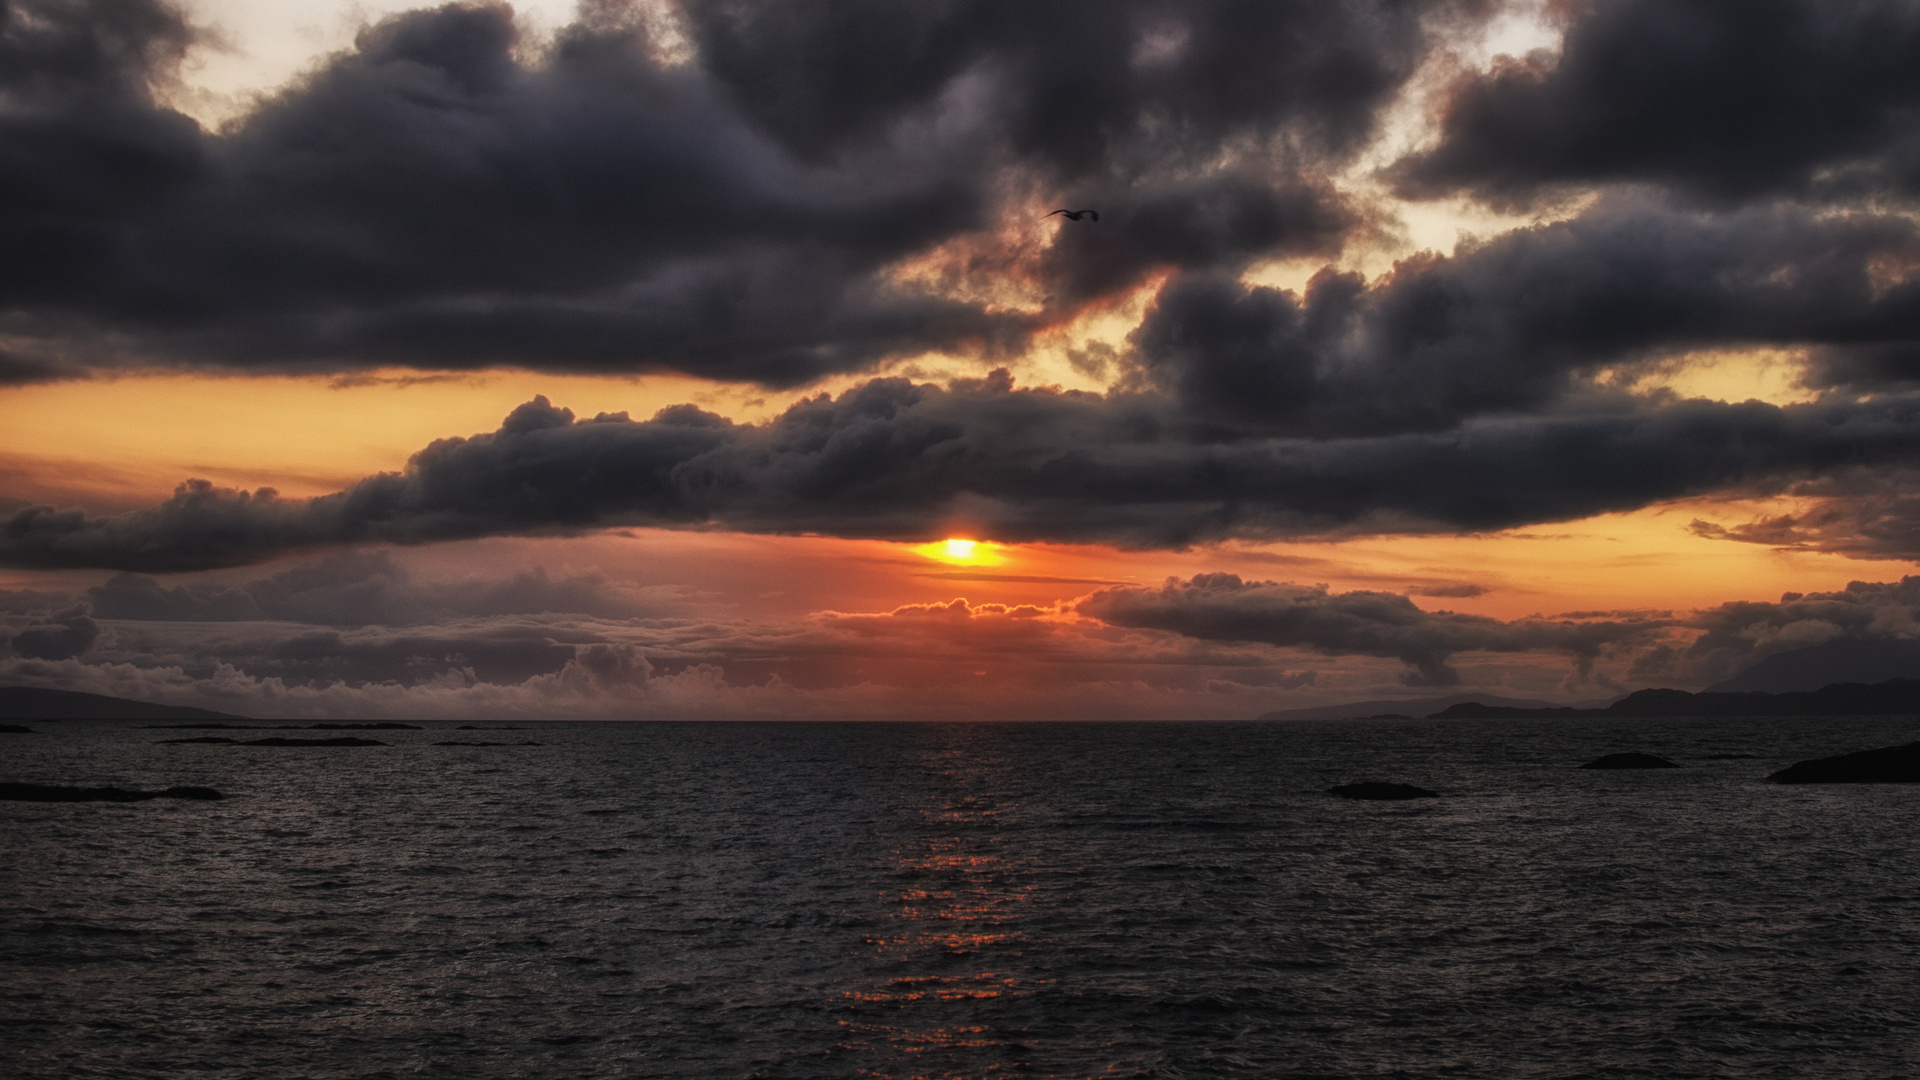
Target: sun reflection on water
column 956, row 898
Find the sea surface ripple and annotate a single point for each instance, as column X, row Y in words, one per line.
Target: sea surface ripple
column 963, row 900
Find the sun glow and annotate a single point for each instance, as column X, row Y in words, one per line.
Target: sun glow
column 962, row 552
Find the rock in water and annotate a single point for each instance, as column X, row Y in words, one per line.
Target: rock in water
column 1887, row 765
column 1630, row 761
column 1373, row 789
column 189, row 791
column 52, row 793
column 15, row 729
column 281, row 740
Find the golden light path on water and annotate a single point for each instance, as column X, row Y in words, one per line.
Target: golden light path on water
column 956, row 896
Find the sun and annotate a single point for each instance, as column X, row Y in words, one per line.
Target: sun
column 961, row 551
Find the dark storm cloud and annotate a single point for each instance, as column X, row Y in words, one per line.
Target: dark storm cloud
column 1861, row 513
column 433, row 197
column 1222, row 607
column 1734, row 635
column 357, row 589
column 892, row 459
column 1722, row 98
column 1506, row 325
column 503, row 651
column 59, row 636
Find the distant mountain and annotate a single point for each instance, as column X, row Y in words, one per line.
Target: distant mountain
column 1840, row 661
column 1414, row 707
column 35, row 703
column 1895, row 697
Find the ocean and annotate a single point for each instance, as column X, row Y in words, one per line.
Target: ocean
column 963, row 900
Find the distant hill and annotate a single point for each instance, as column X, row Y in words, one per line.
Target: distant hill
column 1415, row 707
column 36, row 703
column 1846, row 660
column 1895, row 697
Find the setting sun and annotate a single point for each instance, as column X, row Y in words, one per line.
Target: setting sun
column 962, row 552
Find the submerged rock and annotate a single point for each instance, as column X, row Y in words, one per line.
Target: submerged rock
column 282, row 740
column 1630, row 761
column 1887, row 765
column 54, row 793
column 1374, row 789
column 274, row 740
column 456, row 742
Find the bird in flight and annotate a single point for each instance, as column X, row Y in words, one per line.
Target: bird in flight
column 1076, row 215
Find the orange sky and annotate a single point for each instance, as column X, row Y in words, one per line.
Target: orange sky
column 127, row 442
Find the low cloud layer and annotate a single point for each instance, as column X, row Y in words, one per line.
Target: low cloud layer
column 318, row 637
column 901, row 461
column 1222, row 607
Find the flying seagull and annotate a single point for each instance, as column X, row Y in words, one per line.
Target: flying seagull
column 1076, row 215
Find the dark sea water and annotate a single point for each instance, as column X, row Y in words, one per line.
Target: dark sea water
column 964, row 900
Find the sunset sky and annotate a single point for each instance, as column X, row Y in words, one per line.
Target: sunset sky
column 721, row 359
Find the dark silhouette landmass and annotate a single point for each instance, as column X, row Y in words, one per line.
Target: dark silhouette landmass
column 15, row 729
column 1887, row 765
column 39, row 703
column 1891, row 698
column 49, row 793
column 1842, row 660
column 1376, row 790
column 273, row 740
column 523, row 742
column 1630, row 761
column 1408, row 707
column 385, row 725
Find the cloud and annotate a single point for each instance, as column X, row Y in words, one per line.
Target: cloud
column 59, row 636
column 1222, row 607
column 451, row 194
column 1860, row 513
column 363, row 588
column 892, row 459
column 1723, row 101
column 1518, row 323
column 1735, row 635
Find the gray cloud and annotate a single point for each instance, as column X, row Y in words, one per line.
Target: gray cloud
column 58, row 636
column 1515, row 324
column 448, row 195
column 1723, row 100
column 891, row 459
column 1734, row 635
column 361, row 588
column 1222, row 607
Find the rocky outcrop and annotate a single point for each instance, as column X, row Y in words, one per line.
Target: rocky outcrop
column 1895, row 697
column 457, row 742
column 1630, row 761
column 1374, row 789
column 49, row 793
column 1887, row 765
column 40, row 703
column 274, row 740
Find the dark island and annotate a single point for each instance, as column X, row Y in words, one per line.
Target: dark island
column 39, row 703
column 1630, row 761
column 1891, row 698
column 273, row 740
column 1887, row 765
column 51, row 793
column 1375, row 790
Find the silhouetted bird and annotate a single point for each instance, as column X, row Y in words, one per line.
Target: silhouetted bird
column 1076, row 215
